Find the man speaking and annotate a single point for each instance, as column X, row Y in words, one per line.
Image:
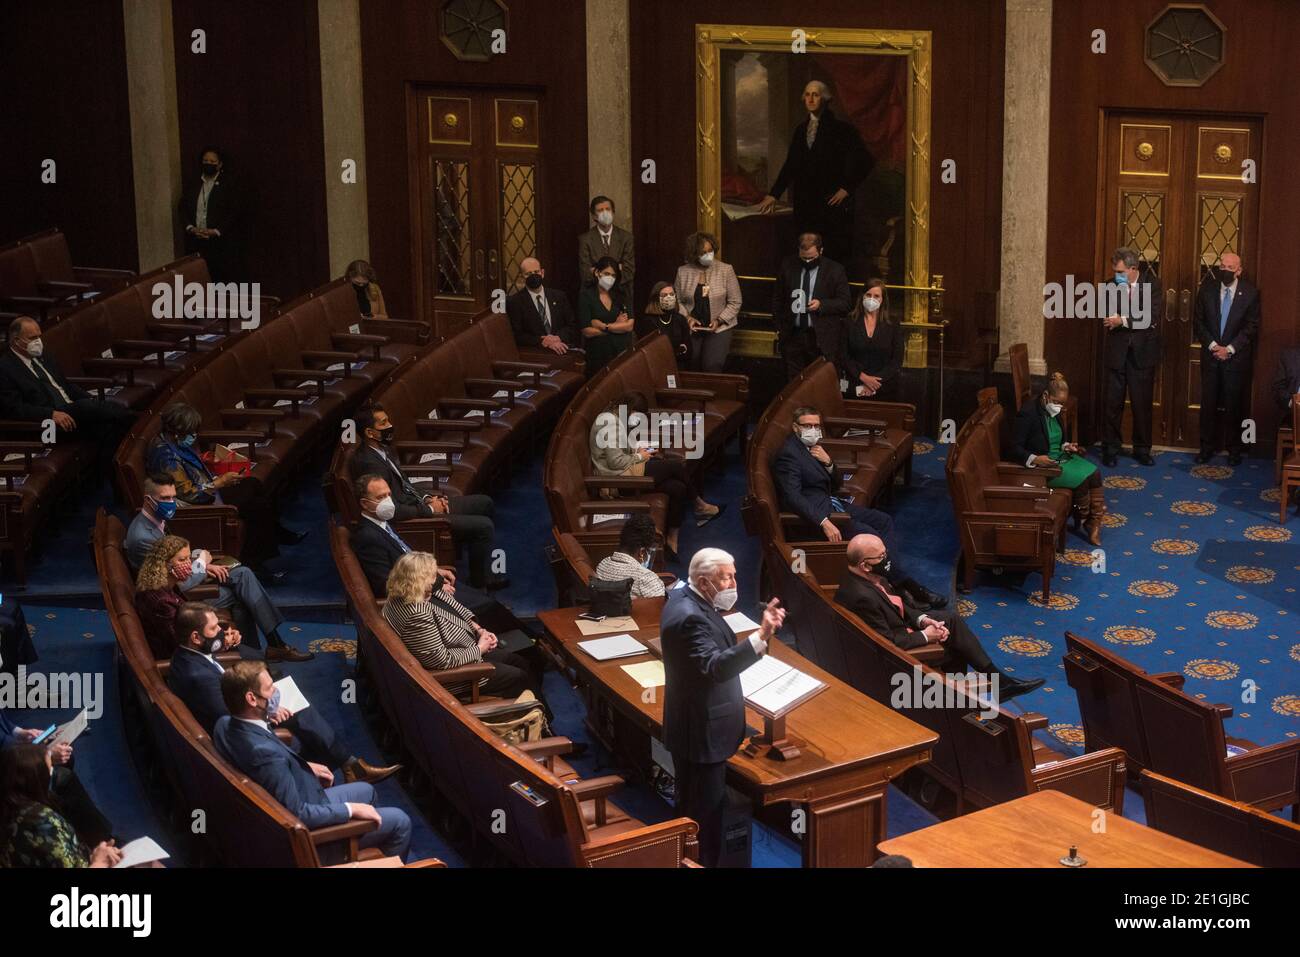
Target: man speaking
column 704, row 707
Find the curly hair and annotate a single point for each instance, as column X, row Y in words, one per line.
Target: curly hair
column 154, row 573
column 411, row 577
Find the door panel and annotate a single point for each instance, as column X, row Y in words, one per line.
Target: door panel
column 1174, row 193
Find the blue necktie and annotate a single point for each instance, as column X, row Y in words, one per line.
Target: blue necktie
column 395, row 537
column 1224, row 309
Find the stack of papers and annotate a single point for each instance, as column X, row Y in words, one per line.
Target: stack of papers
column 617, row 623
column 648, row 674
column 740, row 622
column 143, row 850
column 615, row 646
column 773, row 686
column 291, row 697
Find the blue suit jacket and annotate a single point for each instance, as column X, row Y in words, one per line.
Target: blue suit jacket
column 287, row 777
column 193, row 679
column 704, row 707
column 804, row 484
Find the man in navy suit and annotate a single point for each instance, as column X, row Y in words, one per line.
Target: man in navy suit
column 704, row 707
column 195, row 678
column 1226, row 322
column 1131, row 352
column 810, row 303
column 307, row 790
column 807, row 482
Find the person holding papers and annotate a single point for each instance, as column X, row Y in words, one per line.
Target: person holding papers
column 195, row 678
column 704, row 706
column 32, row 832
column 869, row 595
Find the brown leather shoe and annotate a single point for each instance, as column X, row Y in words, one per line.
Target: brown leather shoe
column 359, row 770
column 287, row 653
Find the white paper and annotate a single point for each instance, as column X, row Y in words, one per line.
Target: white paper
column 526, row 394
column 762, row 672
column 428, row 457
column 70, row 731
column 672, row 382
column 106, row 354
column 782, row 692
column 740, row 622
column 680, row 584
column 597, row 519
column 209, row 337
column 503, row 394
column 239, row 404
column 143, row 850
column 174, row 355
column 336, row 367
column 615, row 646
column 355, row 328
column 290, row 696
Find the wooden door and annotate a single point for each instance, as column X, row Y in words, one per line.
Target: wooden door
column 477, row 161
column 1175, row 193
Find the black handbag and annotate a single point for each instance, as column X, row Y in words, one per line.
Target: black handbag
column 610, row 599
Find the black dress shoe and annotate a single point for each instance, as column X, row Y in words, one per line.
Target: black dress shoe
column 1009, row 688
column 497, row 582
column 1109, row 459
column 924, row 595
column 1204, row 457
column 1234, row 458
column 1144, row 458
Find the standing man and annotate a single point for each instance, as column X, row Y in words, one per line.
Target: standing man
column 210, row 211
column 826, row 162
column 541, row 317
column 606, row 239
column 811, row 300
column 704, row 706
column 1132, row 353
column 1227, row 321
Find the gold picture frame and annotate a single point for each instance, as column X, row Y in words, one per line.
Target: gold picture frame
column 712, row 38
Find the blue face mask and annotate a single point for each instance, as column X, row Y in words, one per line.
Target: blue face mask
column 188, row 440
column 165, row 510
column 1121, row 277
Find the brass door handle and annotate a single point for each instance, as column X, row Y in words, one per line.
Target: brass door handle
column 1186, row 298
column 478, row 264
column 492, row 264
column 1171, row 301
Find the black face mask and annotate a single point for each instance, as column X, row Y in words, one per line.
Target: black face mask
column 210, row 169
column 882, row 567
column 387, row 435
column 1226, row 276
column 811, row 263
column 533, row 282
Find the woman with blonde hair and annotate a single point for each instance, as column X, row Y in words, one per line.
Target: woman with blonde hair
column 370, row 299
column 1038, row 440
column 443, row 634
column 158, row 595
column 709, row 293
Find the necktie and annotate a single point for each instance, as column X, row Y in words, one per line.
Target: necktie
column 605, row 239
column 541, row 311
column 812, row 129
column 806, row 286
column 394, row 536
column 1224, row 308
column 55, row 390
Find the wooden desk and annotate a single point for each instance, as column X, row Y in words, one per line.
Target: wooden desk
column 1038, row 830
column 852, row 746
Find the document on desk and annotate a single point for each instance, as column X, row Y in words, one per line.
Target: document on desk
column 290, row 696
column 648, row 674
column 608, row 626
column 69, row 732
column 615, row 646
column 740, row 622
column 774, row 686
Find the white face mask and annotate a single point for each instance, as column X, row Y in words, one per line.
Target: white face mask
column 870, row 303
column 668, row 303
column 606, row 282
column 810, row 437
column 35, row 348
column 605, row 218
column 706, row 260
column 725, row 600
column 385, row 510
column 1054, row 409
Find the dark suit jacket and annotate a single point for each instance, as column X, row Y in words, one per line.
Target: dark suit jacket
column 1243, row 321
column 865, row 600
column 408, row 499
column 832, row 288
column 24, row 396
column 527, row 324
column 8, row 731
column 376, row 553
column 1287, row 382
column 704, row 707
column 286, row 776
column 881, row 355
column 223, row 207
column 1029, row 432
column 804, row 485
column 1143, row 343
column 591, row 249
column 837, row 160
column 193, row 679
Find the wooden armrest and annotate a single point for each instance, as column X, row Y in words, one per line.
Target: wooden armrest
column 1012, row 492
column 614, row 506
column 92, row 381
column 322, row 355
column 398, row 330
column 269, row 415
column 304, row 375
column 635, row 483
column 427, row 468
column 143, row 345
column 274, row 395
column 448, row 425
column 1282, row 751
column 360, row 340
column 546, row 747
column 341, row 832
column 1174, row 679
column 500, row 385
column 1037, row 473
column 486, row 405
column 470, row 672
column 645, row 846
column 65, row 287
column 1083, row 777
column 1033, row 720
column 842, row 422
column 598, row 790
column 226, row 436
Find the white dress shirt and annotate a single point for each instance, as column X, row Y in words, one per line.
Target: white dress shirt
column 1222, row 289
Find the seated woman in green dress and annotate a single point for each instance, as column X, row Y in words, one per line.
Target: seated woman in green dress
column 1038, row 439
column 32, row 832
column 603, row 317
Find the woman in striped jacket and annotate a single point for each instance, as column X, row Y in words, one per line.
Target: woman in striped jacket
column 442, row 633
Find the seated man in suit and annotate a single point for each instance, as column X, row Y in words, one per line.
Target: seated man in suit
column 238, row 588
column 32, row 389
column 541, row 316
column 76, row 804
column 470, row 516
column 1287, row 381
column 306, row 789
column 195, row 678
column 704, row 706
column 869, row 595
column 807, row 480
